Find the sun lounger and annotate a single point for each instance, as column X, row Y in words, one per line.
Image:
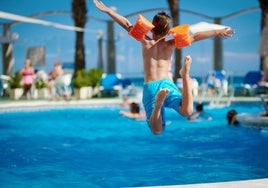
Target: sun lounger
column 63, row 85
column 111, row 85
column 4, row 85
column 250, row 84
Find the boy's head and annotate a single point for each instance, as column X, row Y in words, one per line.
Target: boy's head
column 161, row 21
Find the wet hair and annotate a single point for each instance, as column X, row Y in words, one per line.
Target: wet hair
column 161, row 22
column 231, row 117
column 134, row 108
column 199, row 107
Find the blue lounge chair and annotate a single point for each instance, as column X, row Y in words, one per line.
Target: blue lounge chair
column 216, row 85
column 253, row 77
column 262, row 90
column 217, row 81
column 111, row 85
column 250, row 84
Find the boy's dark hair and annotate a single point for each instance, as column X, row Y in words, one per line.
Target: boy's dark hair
column 134, row 108
column 161, row 22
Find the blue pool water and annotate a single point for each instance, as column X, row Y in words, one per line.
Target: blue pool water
column 95, row 147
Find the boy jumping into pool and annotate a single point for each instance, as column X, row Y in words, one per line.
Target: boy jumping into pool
column 159, row 90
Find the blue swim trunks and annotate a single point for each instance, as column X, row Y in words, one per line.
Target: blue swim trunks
column 150, row 90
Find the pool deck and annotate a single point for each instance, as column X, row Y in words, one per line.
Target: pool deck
column 256, row 183
column 19, row 104
column 10, row 105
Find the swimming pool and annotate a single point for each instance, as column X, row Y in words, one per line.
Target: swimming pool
column 95, row 147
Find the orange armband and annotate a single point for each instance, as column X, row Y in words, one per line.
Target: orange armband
column 181, row 35
column 140, row 28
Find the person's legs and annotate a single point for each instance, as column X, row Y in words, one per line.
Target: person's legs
column 186, row 107
column 156, row 96
column 26, row 89
column 156, row 117
column 51, row 89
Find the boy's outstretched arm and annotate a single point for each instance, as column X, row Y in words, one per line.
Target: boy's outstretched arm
column 121, row 20
column 226, row 32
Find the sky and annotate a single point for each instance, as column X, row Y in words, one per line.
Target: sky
column 240, row 52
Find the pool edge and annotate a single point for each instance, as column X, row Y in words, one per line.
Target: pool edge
column 254, row 183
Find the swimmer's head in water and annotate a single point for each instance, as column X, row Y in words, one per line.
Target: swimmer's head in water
column 134, row 108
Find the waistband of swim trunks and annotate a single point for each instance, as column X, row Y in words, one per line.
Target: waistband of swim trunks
column 158, row 81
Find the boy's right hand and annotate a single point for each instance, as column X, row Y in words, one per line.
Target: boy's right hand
column 100, row 6
column 226, row 32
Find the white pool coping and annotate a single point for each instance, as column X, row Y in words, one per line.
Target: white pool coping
column 255, row 183
column 39, row 104
column 24, row 104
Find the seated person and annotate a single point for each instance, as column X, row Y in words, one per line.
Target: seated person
column 199, row 114
column 264, row 80
column 134, row 112
column 125, row 102
column 56, row 72
column 262, row 87
column 231, row 117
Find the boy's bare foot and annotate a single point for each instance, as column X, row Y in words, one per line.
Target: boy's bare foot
column 161, row 95
column 185, row 70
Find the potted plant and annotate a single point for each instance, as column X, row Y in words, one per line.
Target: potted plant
column 95, row 76
column 80, row 84
column 41, row 87
column 15, row 87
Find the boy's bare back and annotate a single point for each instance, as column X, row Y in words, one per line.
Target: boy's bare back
column 156, row 59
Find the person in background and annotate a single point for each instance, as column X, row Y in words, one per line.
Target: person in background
column 56, row 72
column 27, row 80
column 262, row 87
column 199, row 114
column 134, row 112
column 231, row 117
column 125, row 103
column 264, row 80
